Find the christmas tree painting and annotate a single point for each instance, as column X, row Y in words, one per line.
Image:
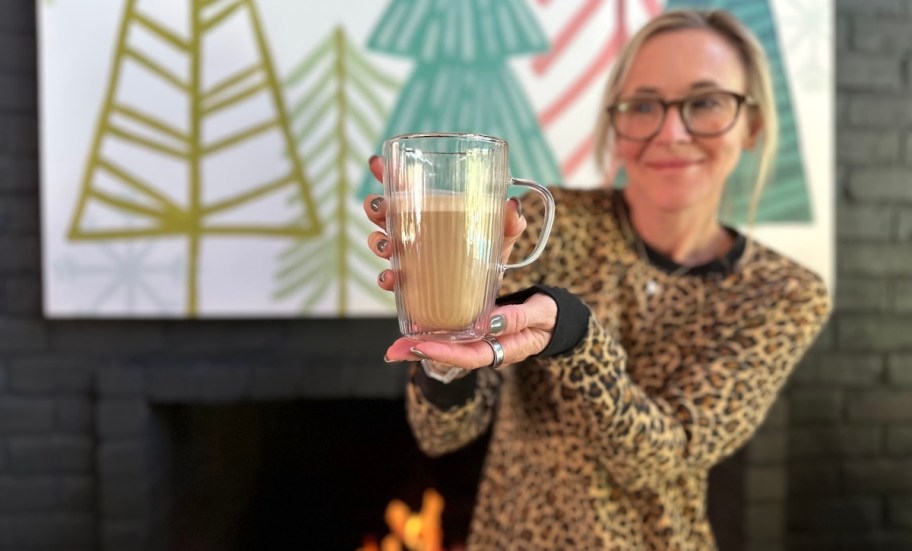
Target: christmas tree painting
column 785, row 197
column 340, row 103
column 212, row 144
column 461, row 81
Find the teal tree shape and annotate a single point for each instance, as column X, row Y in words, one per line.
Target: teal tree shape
column 461, row 80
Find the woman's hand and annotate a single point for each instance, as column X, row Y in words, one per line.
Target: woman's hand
column 525, row 329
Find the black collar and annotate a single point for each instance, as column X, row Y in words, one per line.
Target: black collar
column 722, row 265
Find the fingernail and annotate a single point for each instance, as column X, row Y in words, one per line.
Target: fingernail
column 387, row 359
column 375, row 204
column 497, row 324
column 519, row 210
column 382, row 276
column 382, row 245
column 370, row 160
column 419, row 353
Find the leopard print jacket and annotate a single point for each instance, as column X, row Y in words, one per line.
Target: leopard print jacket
column 608, row 446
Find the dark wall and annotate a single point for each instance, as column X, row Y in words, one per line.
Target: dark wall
column 850, row 437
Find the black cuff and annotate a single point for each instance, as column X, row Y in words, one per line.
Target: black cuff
column 572, row 321
column 569, row 329
column 442, row 395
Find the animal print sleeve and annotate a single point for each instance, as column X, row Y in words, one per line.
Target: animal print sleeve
column 442, row 431
column 705, row 413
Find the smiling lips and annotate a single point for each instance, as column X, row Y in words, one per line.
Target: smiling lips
column 672, row 164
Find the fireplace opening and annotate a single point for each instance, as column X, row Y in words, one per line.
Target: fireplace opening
column 302, row 474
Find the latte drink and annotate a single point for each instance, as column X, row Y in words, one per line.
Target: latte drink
column 445, row 197
column 447, row 259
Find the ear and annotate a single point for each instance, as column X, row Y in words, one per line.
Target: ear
column 754, row 129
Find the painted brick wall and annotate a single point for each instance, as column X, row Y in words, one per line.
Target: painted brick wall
column 850, row 426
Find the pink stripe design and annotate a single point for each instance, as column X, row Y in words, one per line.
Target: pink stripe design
column 543, row 62
column 653, row 7
column 579, row 155
column 601, row 64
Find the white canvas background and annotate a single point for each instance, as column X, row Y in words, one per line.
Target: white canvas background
column 236, row 274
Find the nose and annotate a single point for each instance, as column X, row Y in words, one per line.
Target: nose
column 673, row 129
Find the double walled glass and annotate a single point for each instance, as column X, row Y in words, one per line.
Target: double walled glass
column 445, row 219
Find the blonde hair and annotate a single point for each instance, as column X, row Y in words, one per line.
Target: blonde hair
column 756, row 68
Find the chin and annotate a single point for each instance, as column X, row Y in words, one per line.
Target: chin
column 673, row 196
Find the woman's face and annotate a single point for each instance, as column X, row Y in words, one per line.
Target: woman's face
column 675, row 170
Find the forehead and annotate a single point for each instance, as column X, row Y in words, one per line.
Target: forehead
column 672, row 62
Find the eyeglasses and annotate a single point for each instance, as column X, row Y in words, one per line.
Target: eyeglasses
column 704, row 115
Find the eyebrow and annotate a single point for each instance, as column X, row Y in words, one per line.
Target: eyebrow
column 649, row 90
column 705, row 84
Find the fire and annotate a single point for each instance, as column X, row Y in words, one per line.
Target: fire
column 412, row 531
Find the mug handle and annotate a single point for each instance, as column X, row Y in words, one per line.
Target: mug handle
column 546, row 227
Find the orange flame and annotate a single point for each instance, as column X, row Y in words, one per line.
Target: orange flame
column 410, row 531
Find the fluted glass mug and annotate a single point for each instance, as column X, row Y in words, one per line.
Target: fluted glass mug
column 445, row 196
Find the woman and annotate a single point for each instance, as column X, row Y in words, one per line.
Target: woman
column 650, row 341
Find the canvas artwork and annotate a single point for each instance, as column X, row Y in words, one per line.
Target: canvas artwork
column 207, row 158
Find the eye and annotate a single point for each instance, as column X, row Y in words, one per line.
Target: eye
column 639, row 107
column 709, row 102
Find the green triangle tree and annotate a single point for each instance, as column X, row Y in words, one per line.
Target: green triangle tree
column 127, row 121
column 336, row 113
column 461, row 81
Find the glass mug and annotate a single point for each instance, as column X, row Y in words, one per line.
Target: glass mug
column 445, row 197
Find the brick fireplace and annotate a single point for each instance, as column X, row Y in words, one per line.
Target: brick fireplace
column 153, row 413
column 94, row 413
column 232, row 467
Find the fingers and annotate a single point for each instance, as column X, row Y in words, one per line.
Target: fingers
column 386, row 280
column 514, row 226
column 375, row 208
column 514, row 222
column 379, row 244
column 376, row 166
column 374, row 205
column 539, row 312
column 470, row 355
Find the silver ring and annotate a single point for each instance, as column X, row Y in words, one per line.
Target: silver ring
column 496, row 348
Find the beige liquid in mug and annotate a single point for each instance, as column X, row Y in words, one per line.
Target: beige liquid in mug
column 447, row 259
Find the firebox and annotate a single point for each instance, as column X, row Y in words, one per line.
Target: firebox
column 300, row 474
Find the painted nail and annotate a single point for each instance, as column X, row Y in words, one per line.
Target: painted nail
column 370, row 160
column 387, row 359
column 519, row 210
column 382, row 276
column 375, row 204
column 382, row 245
column 419, row 353
column 497, row 324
